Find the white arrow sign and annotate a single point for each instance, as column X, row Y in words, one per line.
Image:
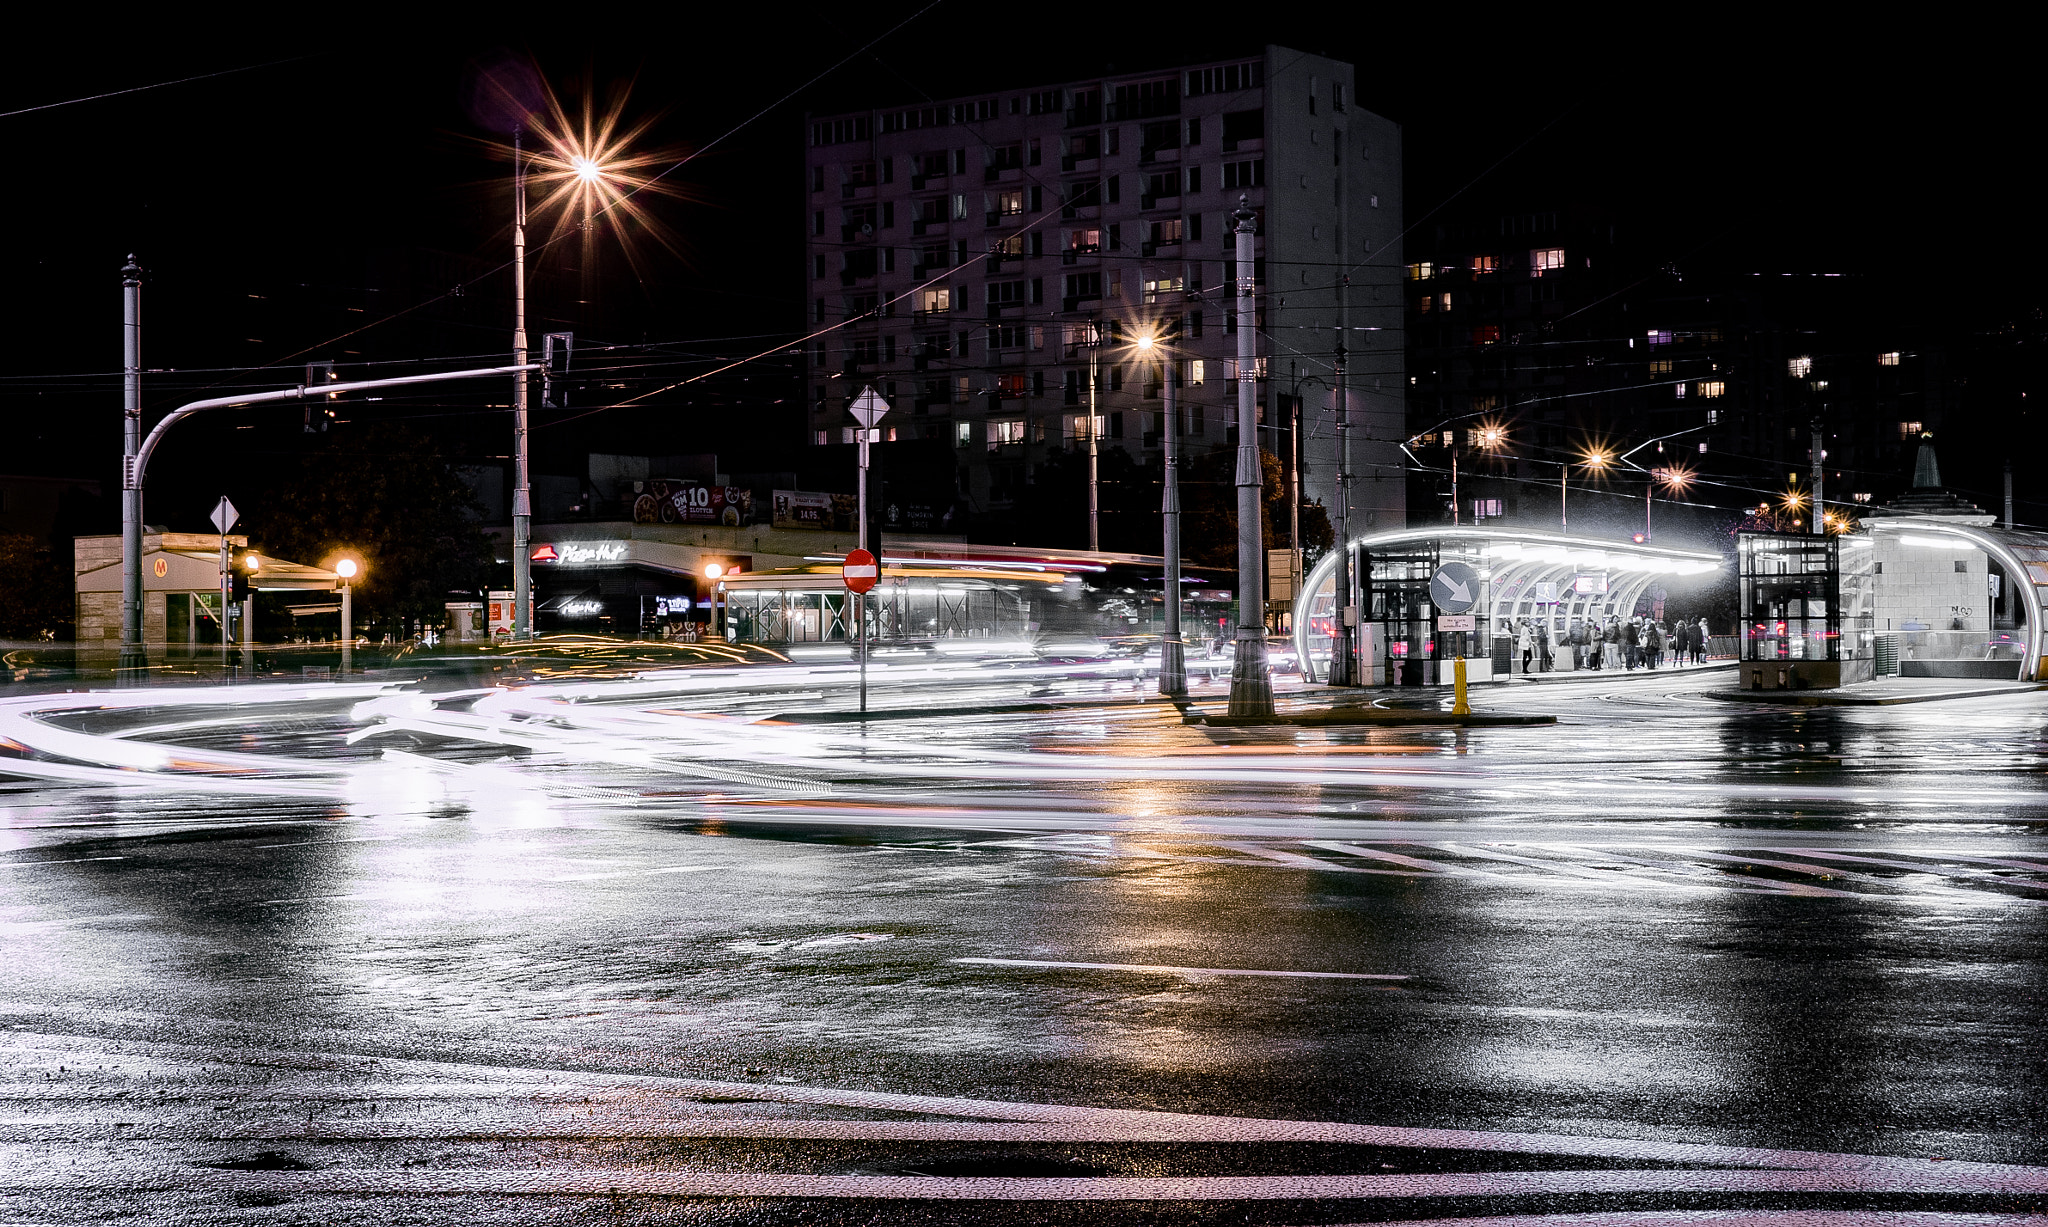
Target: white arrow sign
column 1454, row 587
column 225, row 515
column 867, row 408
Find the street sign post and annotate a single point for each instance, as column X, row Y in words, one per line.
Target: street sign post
column 224, row 517
column 1457, row 622
column 859, row 573
column 1455, row 588
column 867, row 409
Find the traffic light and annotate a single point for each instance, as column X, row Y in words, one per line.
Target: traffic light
column 554, row 350
column 242, row 568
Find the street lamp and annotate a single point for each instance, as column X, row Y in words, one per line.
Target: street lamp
column 1173, row 663
column 1597, row 460
column 1676, row 479
column 347, row 569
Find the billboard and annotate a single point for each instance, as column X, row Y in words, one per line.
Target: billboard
column 807, row 509
column 691, row 502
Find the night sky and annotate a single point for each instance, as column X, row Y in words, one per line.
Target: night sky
column 289, row 211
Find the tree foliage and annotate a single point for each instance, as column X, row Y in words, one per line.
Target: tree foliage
column 386, row 493
column 36, row 599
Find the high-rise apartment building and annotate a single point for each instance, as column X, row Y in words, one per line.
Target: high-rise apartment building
column 970, row 257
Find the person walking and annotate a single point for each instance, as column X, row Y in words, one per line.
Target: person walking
column 1655, row 644
column 1701, row 642
column 1528, row 644
column 1631, row 645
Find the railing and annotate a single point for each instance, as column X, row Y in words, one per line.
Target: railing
column 1144, row 108
column 1081, row 117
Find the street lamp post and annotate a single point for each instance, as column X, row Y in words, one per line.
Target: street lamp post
column 346, row 568
column 1596, row 460
column 1173, row 660
column 522, row 488
column 132, row 652
column 1251, row 684
column 1094, row 378
column 1343, row 653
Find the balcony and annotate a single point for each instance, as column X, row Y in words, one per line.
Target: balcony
column 1143, row 108
column 864, row 233
column 930, row 315
column 1160, row 202
column 1082, row 117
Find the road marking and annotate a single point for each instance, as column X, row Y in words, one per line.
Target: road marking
column 586, row 1182
column 314, row 843
column 1939, row 871
column 632, row 873
column 78, row 861
column 1410, row 861
column 1158, row 969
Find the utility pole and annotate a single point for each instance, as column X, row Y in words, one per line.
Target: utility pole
column 133, row 655
column 1294, row 509
column 1173, row 660
column 1094, row 378
column 1818, row 518
column 1251, row 685
column 1342, row 654
column 2008, row 495
column 522, row 487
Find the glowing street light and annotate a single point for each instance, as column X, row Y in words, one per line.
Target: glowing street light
column 347, row 569
column 1173, row 668
column 1596, row 459
column 1675, row 479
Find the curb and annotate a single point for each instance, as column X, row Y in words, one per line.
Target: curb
column 934, row 713
column 1829, row 698
column 1365, row 716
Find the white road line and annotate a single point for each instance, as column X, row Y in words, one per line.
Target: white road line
column 76, row 861
column 599, row 1182
column 314, row 843
column 1186, row 971
column 1939, row 871
column 1412, row 862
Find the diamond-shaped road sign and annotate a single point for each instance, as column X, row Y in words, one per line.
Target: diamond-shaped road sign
column 867, row 408
column 225, row 515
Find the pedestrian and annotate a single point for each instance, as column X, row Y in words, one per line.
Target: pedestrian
column 1631, row 645
column 1702, row 641
column 1610, row 643
column 1528, row 644
column 1653, row 645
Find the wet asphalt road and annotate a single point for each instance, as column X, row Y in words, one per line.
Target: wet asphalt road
column 1616, row 964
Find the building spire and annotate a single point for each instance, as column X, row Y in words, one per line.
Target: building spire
column 1926, row 470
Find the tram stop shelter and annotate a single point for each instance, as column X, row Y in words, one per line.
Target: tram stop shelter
column 1554, row 581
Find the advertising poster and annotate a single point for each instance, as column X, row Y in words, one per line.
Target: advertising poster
column 692, row 502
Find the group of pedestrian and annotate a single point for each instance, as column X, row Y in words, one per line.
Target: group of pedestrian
column 1617, row 643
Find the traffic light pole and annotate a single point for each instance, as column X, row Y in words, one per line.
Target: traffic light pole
column 135, row 464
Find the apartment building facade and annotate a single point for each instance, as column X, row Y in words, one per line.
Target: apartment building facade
column 972, row 258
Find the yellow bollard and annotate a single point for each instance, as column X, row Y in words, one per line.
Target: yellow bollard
column 1459, row 707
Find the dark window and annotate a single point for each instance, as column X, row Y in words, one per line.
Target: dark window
column 1194, row 224
column 1194, row 132
column 1242, row 126
column 817, row 178
column 1195, row 185
column 1115, row 188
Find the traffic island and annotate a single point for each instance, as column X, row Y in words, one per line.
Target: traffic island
column 1362, row 716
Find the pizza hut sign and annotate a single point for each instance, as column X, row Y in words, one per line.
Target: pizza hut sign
column 584, row 553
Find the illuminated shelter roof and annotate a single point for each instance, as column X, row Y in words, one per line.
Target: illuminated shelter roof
column 2022, row 552
column 1516, row 565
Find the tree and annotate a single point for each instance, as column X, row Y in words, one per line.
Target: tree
column 388, row 493
column 36, row 600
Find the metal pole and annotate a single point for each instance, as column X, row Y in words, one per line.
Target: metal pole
column 1294, row 510
column 522, row 488
column 1564, row 519
column 1251, row 685
column 226, row 635
column 132, row 652
column 2008, row 495
column 1647, row 487
column 1343, row 655
column 860, row 600
column 348, row 635
column 1094, row 377
column 1173, row 660
column 1454, row 487
column 1818, row 518
column 249, row 632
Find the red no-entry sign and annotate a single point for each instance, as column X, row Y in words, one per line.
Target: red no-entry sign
column 859, row 571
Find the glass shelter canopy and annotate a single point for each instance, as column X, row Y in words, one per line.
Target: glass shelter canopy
column 1550, row 578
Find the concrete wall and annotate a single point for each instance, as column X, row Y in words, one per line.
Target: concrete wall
column 1921, row 583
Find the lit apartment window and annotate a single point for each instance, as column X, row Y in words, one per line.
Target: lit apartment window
column 1010, row 431
column 1421, row 272
column 1426, row 303
column 1444, row 302
column 1800, row 367
column 1711, row 388
column 1084, row 241
column 1486, row 334
column 1890, row 359
column 1661, row 366
column 963, row 433
column 1909, row 430
column 963, row 388
column 1660, row 336
column 1678, row 391
column 1485, row 264
column 824, row 437
column 1162, row 285
column 1194, row 372
column 1009, row 204
column 1546, row 260
column 935, row 299
column 846, row 434
column 1861, row 498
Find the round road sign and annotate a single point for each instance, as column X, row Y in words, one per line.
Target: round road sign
column 1455, row 587
column 859, row 571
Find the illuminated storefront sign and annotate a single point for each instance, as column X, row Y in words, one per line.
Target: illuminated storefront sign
column 580, row 609
column 580, row 553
